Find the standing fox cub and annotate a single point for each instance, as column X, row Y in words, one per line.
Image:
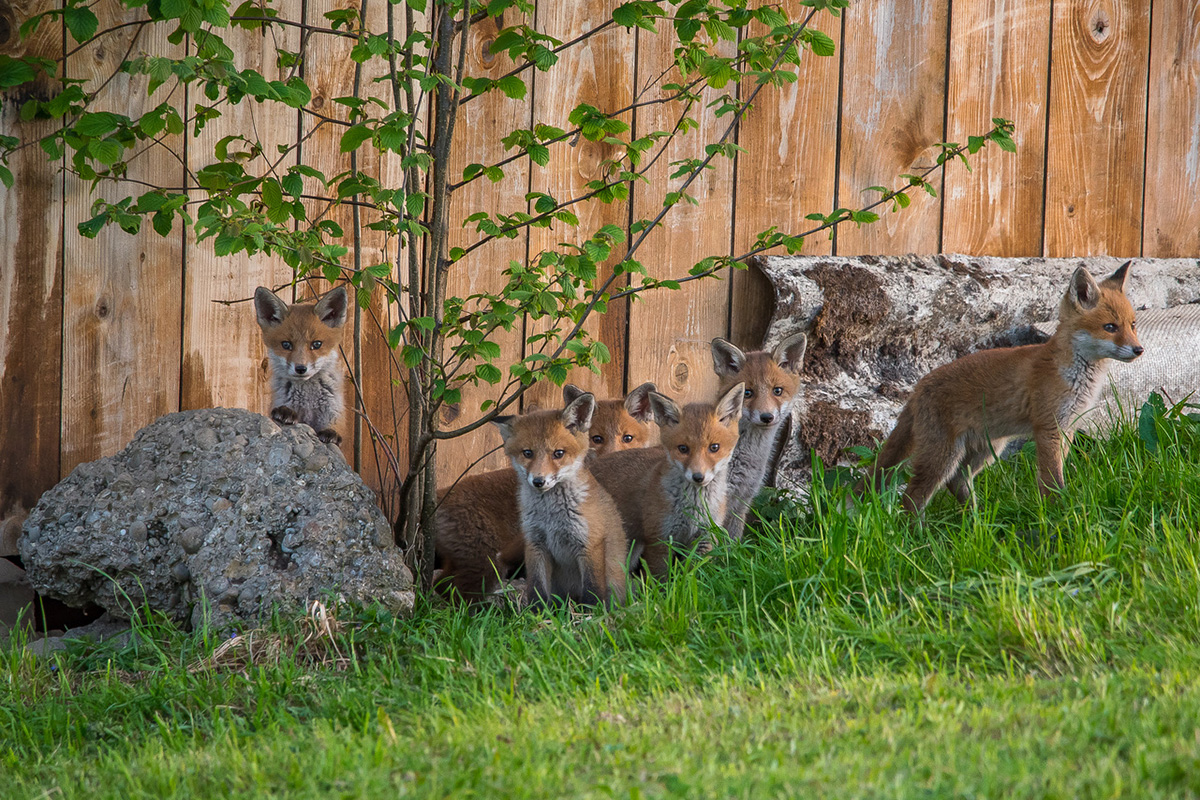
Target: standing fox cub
column 574, row 543
column 302, row 345
column 771, row 381
column 476, row 517
column 668, row 496
column 964, row 412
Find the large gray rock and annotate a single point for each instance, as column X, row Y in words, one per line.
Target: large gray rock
column 875, row 325
column 216, row 504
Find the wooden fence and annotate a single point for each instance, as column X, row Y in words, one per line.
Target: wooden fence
column 102, row 336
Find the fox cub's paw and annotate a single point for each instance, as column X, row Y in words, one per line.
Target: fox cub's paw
column 330, row 436
column 284, row 415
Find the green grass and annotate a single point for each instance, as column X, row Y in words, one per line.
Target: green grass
column 1024, row 647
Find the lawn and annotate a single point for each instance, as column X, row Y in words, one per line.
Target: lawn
column 1020, row 648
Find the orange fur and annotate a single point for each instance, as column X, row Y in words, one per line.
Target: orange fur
column 963, row 413
column 667, row 495
column 574, row 543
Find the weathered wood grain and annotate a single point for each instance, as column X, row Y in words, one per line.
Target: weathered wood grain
column 893, row 106
column 1172, row 222
column 480, row 124
column 999, row 51
column 1095, row 161
column 600, row 73
column 122, row 293
column 224, row 363
column 31, row 218
column 330, row 73
column 670, row 331
column 787, row 171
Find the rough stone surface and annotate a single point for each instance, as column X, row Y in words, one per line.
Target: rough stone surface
column 221, row 505
column 875, row 325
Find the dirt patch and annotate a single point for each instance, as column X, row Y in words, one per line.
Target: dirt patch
column 828, row 430
column 855, row 304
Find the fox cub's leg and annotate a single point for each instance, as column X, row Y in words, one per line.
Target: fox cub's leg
column 284, row 415
column 979, row 455
column 1051, row 451
column 933, row 463
column 537, row 578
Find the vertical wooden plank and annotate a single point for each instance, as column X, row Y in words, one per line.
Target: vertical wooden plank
column 893, row 106
column 330, row 73
column 121, row 310
column 223, row 358
column 478, row 129
column 999, row 50
column 30, row 289
column 1096, row 157
column 787, row 171
column 599, row 73
column 670, row 331
column 1172, row 224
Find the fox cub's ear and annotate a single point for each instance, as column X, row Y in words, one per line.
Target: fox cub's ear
column 570, row 392
column 790, row 352
column 577, row 416
column 728, row 359
column 637, row 403
column 269, row 309
column 729, row 407
column 331, row 309
column 1117, row 279
column 666, row 413
column 1083, row 292
column 504, row 424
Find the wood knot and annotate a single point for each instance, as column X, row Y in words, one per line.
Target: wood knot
column 486, row 56
column 102, row 308
column 679, row 376
column 318, row 102
column 451, row 412
column 1100, row 26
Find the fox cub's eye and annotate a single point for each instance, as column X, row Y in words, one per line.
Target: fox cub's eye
column 1111, row 328
column 683, row 448
column 597, row 439
column 627, row 438
column 559, row 454
column 714, row 447
column 778, row 390
column 748, row 393
column 527, row 453
column 286, row 345
column 316, row 345
column 1133, row 326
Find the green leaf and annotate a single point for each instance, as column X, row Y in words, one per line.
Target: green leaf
column 6, row 176
column 92, row 227
column 106, row 151
column 489, row 373
column 353, row 137
column 81, row 22
column 512, row 86
column 14, row 72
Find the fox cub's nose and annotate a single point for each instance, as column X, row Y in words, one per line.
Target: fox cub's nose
column 766, row 417
column 538, row 481
column 300, row 369
column 698, row 477
column 1138, row 350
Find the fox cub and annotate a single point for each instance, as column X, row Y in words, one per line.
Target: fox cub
column 964, row 412
column 302, row 345
column 667, row 496
column 477, row 518
column 574, row 543
column 618, row 424
column 771, row 381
